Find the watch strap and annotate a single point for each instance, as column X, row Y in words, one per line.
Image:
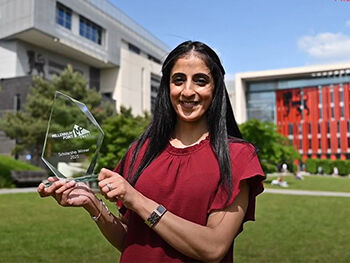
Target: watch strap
column 155, row 216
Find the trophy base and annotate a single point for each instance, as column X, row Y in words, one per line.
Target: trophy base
column 86, row 178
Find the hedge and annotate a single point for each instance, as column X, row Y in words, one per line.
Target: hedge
column 6, row 165
column 327, row 166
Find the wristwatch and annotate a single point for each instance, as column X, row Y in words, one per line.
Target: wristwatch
column 155, row 216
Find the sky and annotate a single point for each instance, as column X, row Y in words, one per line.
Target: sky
column 251, row 35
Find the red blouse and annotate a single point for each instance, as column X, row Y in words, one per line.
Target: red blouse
column 186, row 182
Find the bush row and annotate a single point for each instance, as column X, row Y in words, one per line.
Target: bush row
column 312, row 166
column 6, row 165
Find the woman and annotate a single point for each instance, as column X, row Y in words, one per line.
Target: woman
column 188, row 183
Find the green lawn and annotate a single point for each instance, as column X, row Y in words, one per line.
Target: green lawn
column 296, row 229
column 314, row 182
column 288, row 229
column 34, row 229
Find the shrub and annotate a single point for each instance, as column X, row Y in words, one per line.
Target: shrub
column 6, row 165
column 328, row 166
column 342, row 166
column 312, row 165
column 347, row 162
column 268, row 167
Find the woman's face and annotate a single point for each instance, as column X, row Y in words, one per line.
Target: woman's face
column 191, row 88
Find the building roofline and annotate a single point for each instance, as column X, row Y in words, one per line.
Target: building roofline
column 293, row 72
column 117, row 14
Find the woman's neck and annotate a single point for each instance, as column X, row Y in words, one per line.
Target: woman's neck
column 187, row 133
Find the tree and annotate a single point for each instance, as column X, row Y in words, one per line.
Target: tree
column 120, row 131
column 273, row 147
column 28, row 127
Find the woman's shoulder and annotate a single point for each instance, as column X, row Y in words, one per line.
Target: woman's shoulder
column 240, row 147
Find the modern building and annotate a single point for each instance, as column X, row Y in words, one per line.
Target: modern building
column 310, row 105
column 118, row 57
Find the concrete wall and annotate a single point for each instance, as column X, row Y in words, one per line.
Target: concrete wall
column 8, row 58
column 134, row 83
column 15, row 16
column 9, row 89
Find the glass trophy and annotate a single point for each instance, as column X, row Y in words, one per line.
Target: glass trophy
column 73, row 140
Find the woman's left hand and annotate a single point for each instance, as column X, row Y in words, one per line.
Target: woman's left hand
column 113, row 186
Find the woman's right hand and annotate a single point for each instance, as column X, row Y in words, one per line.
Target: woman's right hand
column 68, row 193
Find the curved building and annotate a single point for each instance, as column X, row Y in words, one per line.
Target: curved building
column 118, row 57
column 310, row 105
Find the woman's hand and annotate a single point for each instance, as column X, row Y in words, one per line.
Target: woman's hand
column 67, row 193
column 113, row 187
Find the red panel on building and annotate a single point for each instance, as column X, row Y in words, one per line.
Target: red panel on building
column 316, row 119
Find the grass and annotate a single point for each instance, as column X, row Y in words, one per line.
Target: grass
column 288, row 229
column 314, row 182
column 296, row 229
column 35, row 229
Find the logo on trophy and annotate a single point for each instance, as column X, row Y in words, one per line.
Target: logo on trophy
column 73, row 140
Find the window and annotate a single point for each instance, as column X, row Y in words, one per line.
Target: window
column 320, row 101
column 318, row 128
column 338, row 126
column 309, row 127
column 328, row 127
column 90, row 30
column 319, row 143
column 290, row 128
column 328, row 143
column 94, row 78
column 63, row 16
column 332, row 95
column 154, row 59
column 341, row 95
column 261, row 105
column 300, row 130
column 155, row 83
column 134, row 48
column 17, row 102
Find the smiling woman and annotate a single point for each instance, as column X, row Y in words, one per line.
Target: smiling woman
column 191, row 89
column 189, row 182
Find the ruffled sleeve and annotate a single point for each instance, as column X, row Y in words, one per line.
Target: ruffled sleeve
column 245, row 165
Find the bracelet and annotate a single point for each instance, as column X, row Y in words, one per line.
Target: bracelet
column 155, row 216
column 96, row 218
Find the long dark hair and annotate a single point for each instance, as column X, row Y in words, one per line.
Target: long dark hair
column 221, row 122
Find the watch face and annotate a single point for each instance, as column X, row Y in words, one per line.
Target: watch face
column 161, row 209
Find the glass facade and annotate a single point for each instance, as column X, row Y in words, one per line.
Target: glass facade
column 318, row 108
column 63, row 16
column 90, row 30
column 261, row 105
column 155, row 83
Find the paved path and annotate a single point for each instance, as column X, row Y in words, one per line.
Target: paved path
column 305, row 192
column 270, row 191
column 17, row 190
